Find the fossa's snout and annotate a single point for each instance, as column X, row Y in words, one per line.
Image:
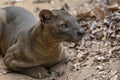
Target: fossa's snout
column 81, row 32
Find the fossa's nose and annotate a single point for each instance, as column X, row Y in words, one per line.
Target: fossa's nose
column 81, row 32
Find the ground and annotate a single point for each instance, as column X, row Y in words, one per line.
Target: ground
column 97, row 56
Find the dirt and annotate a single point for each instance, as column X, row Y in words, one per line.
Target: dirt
column 97, row 55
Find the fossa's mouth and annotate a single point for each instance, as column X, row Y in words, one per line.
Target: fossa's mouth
column 74, row 40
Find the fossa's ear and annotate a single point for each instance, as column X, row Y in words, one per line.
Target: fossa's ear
column 45, row 15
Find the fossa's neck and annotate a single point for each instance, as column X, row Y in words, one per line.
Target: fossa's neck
column 40, row 37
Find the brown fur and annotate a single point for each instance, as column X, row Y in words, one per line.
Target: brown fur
column 2, row 22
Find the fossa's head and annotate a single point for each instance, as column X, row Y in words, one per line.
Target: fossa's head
column 61, row 25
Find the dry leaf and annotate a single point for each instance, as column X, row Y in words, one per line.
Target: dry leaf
column 99, row 13
column 113, row 7
column 92, row 13
column 84, row 15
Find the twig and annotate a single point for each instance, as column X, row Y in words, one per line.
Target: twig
column 108, row 32
column 108, row 2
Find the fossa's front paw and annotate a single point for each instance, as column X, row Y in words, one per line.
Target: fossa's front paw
column 59, row 69
column 37, row 72
column 40, row 74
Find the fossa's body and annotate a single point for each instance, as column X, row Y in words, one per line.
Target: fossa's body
column 26, row 42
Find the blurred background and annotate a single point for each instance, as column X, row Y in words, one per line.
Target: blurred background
column 36, row 5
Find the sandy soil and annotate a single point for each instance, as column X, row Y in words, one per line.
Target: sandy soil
column 81, row 68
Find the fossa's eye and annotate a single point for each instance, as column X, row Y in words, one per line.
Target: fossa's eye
column 64, row 26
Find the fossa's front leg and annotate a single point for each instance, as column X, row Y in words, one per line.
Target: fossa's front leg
column 15, row 62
